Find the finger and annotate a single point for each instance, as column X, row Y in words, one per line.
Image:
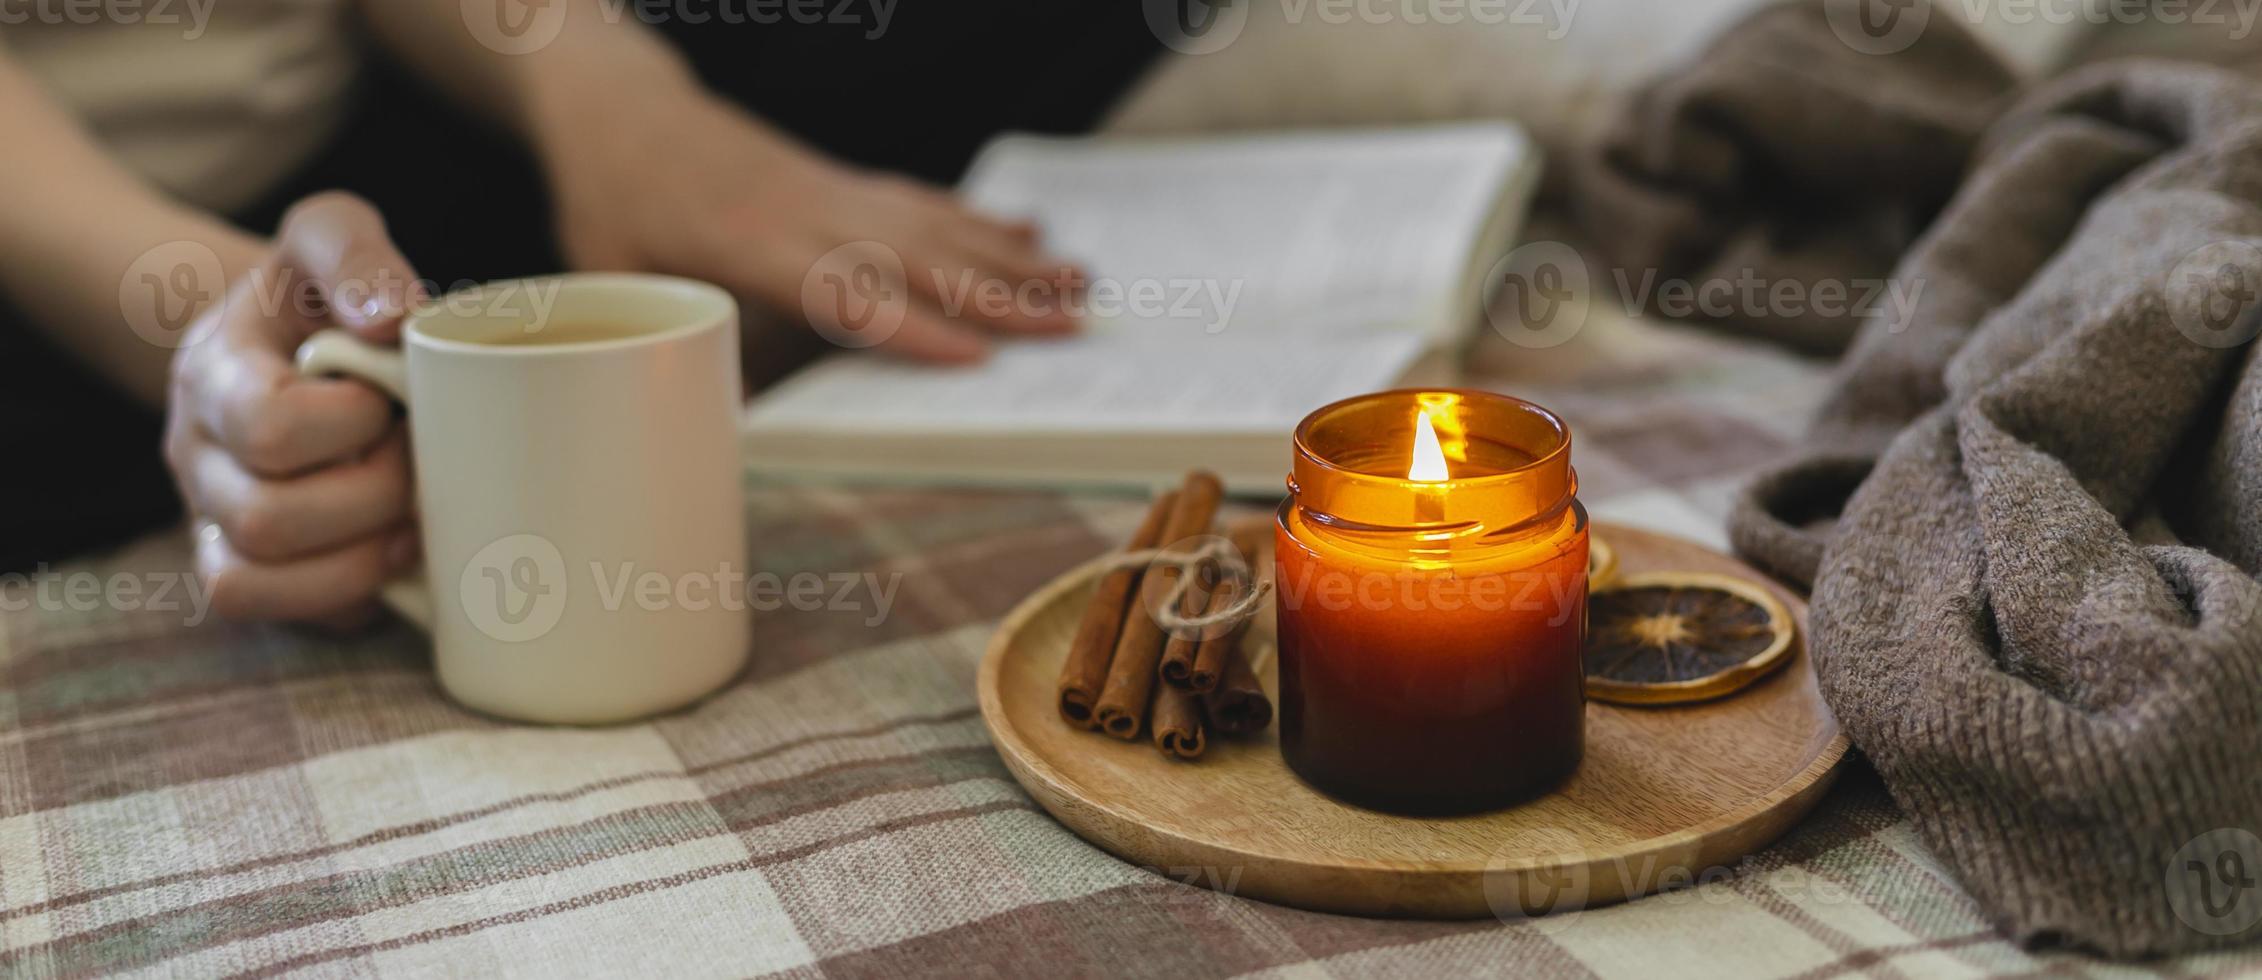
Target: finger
column 248, row 397
column 1022, row 231
column 928, row 335
column 1045, row 287
column 337, row 245
column 991, row 296
column 1017, row 262
column 326, row 585
column 1012, row 248
column 1017, row 246
column 268, row 520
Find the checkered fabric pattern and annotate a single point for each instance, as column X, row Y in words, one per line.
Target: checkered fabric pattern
column 211, row 799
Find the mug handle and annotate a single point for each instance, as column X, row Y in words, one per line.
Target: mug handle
column 336, row 352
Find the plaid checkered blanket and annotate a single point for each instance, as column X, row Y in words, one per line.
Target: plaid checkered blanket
column 180, row 796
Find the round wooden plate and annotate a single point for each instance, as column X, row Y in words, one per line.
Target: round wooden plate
column 1666, row 796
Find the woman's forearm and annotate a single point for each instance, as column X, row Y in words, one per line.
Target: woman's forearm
column 535, row 66
column 98, row 259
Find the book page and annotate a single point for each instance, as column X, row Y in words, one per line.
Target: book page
column 1305, row 235
column 1093, row 385
column 1238, row 283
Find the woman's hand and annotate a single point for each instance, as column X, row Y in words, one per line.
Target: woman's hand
column 686, row 184
column 300, row 486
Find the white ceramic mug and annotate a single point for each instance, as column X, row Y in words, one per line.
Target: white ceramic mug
column 580, row 499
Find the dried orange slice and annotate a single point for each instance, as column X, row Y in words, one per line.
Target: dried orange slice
column 1602, row 563
column 1675, row 637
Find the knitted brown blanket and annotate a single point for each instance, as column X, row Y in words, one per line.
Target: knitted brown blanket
column 2031, row 515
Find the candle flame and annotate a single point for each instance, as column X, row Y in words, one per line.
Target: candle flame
column 1429, row 457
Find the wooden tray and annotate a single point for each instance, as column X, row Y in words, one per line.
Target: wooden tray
column 1665, row 797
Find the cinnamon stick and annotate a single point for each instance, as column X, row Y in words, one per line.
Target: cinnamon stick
column 1178, row 723
column 1085, row 671
column 1131, row 675
column 1179, row 651
column 1208, row 662
column 1237, row 705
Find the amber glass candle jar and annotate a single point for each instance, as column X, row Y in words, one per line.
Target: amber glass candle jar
column 1432, row 560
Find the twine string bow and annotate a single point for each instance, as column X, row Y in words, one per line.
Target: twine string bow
column 1189, row 564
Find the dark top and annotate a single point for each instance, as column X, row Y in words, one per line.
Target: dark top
column 465, row 202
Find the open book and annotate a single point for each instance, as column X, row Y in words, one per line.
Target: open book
column 1237, row 284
